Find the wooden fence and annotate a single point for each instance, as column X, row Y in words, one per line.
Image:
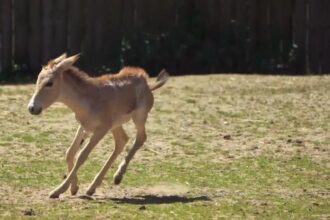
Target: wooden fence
column 290, row 36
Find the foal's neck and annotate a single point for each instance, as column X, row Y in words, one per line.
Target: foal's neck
column 77, row 93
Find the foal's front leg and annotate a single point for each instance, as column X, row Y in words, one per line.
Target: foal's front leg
column 95, row 138
column 71, row 153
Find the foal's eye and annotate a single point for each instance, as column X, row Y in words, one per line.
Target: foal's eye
column 49, row 84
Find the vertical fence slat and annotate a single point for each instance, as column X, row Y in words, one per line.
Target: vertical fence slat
column 225, row 15
column 251, row 26
column 299, row 34
column 263, row 35
column 101, row 29
column 59, row 44
column 35, row 38
column 113, row 32
column 21, row 31
column 240, row 17
column 316, row 35
column 34, row 45
column 6, row 37
column 128, row 17
column 47, row 32
column 281, row 32
column 89, row 57
column 75, row 25
column 326, row 37
column 1, row 54
column 319, row 30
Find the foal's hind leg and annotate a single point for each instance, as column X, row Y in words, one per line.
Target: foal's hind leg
column 120, row 142
column 139, row 119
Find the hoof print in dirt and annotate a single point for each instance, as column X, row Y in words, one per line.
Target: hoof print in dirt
column 143, row 207
column 227, row 137
column 29, row 212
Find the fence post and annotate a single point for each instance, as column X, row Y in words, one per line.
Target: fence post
column 60, row 32
column 47, row 33
column 34, row 45
column 20, row 32
column 75, row 25
column 6, row 35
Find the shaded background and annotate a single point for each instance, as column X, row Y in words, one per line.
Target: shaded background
column 184, row 36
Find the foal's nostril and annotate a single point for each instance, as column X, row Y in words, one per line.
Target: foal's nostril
column 34, row 110
column 31, row 109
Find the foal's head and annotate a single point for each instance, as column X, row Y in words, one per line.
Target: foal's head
column 48, row 83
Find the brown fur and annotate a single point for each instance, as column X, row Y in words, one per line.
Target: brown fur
column 80, row 76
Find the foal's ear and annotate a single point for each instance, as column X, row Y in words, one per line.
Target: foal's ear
column 60, row 58
column 67, row 62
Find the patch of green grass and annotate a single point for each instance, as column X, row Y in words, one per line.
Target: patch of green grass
column 254, row 179
column 43, row 173
column 35, row 173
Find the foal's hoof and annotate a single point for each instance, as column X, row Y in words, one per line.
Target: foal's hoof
column 74, row 190
column 54, row 196
column 90, row 192
column 117, row 180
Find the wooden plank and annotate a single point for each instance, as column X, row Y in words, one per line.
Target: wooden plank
column 21, row 21
column 112, row 33
column 1, row 40
column 225, row 15
column 209, row 13
column 34, row 36
column 89, row 54
column 47, row 30
column 299, row 34
column 142, row 15
column 128, row 17
column 281, row 32
column 316, row 35
column 326, row 36
column 158, row 16
column 182, row 10
column 319, row 36
column 251, row 29
column 75, row 25
column 240, row 25
column 102, row 32
column 263, row 36
column 59, row 33
column 6, row 27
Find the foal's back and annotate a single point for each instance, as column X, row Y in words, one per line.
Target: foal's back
column 125, row 91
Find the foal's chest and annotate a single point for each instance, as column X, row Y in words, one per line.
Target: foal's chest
column 89, row 123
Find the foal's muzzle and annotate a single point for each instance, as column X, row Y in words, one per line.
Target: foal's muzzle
column 34, row 110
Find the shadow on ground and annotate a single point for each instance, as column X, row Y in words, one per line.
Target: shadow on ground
column 153, row 199
column 150, row 199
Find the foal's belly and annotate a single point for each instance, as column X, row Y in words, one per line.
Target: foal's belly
column 118, row 121
column 91, row 123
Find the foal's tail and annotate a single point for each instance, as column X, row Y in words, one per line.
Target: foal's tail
column 162, row 78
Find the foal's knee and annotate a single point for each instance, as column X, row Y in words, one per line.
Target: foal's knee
column 124, row 140
column 69, row 156
column 141, row 138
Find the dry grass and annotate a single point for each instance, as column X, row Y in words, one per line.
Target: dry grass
column 230, row 146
